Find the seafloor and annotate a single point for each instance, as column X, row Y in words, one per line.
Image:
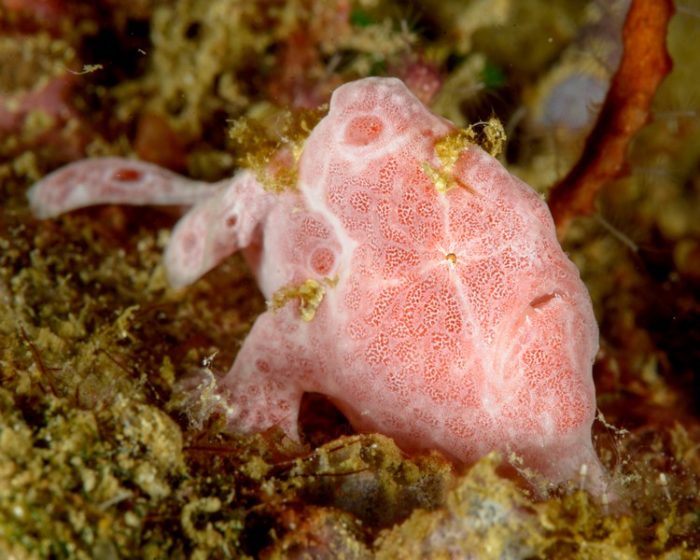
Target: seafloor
column 105, row 453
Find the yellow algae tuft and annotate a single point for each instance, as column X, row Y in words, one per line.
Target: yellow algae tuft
column 310, row 295
column 448, row 150
column 490, row 135
column 271, row 144
column 493, row 136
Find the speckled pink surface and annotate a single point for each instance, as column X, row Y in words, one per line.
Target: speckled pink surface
column 448, row 319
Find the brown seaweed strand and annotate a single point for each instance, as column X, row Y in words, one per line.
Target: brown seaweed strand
column 645, row 62
column 36, row 356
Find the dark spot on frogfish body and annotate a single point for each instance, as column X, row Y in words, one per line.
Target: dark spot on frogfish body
column 189, row 243
column 126, row 175
column 543, row 300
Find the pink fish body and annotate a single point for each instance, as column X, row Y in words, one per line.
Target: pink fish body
column 429, row 300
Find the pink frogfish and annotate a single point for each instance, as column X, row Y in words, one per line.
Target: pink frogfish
column 420, row 288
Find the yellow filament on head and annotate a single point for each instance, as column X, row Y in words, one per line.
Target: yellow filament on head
column 310, row 295
column 490, row 136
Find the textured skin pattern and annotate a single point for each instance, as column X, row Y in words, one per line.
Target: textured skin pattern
column 449, row 319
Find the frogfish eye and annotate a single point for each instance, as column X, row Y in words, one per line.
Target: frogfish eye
column 363, row 130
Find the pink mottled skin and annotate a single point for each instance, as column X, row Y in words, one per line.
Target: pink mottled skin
column 453, row 319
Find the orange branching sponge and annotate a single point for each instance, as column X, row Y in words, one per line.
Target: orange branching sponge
column 645, row 62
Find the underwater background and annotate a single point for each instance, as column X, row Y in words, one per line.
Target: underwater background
column 104, row 453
